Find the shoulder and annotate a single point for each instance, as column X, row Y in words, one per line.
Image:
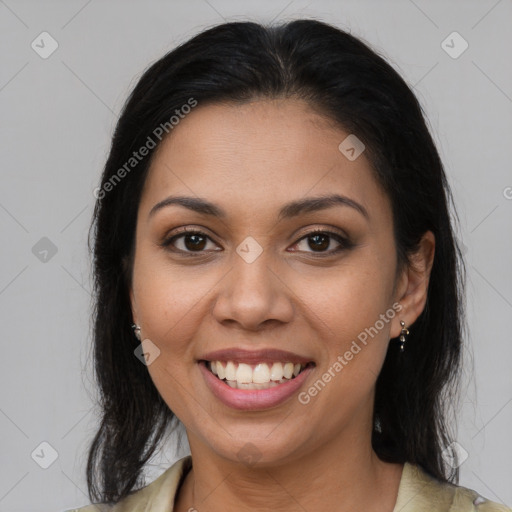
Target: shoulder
column 159, row 494
column 91, row 508
column 419, row 492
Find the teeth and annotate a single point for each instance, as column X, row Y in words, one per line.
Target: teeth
column 221, row 371
column 230, row 370
column 276, row 372
column 243, row 374
column 288, row 370
column 259, row 376
column 236, row 385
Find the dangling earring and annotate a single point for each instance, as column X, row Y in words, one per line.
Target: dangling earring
column 403, row 333
column 136, row 330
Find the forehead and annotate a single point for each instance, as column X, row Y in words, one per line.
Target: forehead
column 258, row 155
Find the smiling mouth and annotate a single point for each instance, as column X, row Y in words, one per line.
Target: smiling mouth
column 255, row 376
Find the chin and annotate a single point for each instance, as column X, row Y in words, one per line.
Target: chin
column 260, row 448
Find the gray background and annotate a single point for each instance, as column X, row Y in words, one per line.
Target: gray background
column 57, row 117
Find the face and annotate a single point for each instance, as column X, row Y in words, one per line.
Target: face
column 266, row 275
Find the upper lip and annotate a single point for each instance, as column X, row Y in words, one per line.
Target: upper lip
column 269, row 355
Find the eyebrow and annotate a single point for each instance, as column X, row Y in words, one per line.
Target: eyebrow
column 289, row 210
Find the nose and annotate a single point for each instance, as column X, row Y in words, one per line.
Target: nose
column 253, row 295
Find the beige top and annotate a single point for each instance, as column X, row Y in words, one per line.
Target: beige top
column 418, row 492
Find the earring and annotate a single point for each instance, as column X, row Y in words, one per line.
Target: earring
column 403, row 333
column 136, row 330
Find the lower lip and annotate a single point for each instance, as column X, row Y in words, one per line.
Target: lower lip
column 253, row 399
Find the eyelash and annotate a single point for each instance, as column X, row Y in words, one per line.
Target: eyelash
column 344, row 242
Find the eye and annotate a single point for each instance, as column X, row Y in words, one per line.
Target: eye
column 189, row 241
column 319, row 241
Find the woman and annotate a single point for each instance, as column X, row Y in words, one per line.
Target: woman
column 273, row 224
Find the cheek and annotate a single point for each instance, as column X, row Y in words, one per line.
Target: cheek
column 169, row 307
column 352, row 297
column 355, row 308
column 355, row 340
column 168, row 301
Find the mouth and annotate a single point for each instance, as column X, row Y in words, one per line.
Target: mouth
column 254, row 380
column 255, row 376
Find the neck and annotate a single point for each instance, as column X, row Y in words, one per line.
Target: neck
column 347, row 468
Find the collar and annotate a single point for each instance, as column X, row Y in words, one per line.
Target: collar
column 417, row 492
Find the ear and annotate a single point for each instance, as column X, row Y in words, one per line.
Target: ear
column 133, row 306
column 412, row 288
column 126, row 265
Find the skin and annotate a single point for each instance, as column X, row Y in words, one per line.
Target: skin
column 250, row 160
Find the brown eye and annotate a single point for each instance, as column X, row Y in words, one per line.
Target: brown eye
column 189, row 241
column 194, row 242
column 321, row 241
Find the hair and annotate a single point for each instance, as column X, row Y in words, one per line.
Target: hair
column 342, row 78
